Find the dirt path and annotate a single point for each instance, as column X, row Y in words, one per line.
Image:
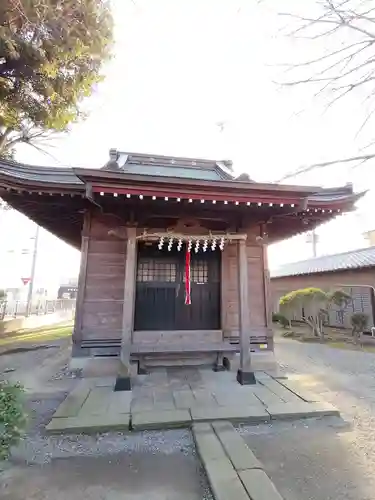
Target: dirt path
column 152, row 465
column 34, row 368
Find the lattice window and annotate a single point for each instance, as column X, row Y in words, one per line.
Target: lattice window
column 199, row 271
column 156, row 270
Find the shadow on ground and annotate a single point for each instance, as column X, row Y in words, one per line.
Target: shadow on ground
column 155, row 466
column 312, row 459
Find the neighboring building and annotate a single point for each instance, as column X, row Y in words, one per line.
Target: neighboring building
column 68, row 289
column 353, row 272
column 141, row 293
column 67, row 292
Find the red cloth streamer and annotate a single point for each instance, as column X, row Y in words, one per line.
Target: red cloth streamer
column 187, row 279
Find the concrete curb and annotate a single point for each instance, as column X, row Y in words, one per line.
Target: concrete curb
column 88, row 425
column 232, row 469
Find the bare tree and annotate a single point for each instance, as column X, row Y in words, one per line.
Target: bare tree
column 345, row 32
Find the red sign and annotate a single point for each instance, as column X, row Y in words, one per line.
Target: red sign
column 26, row 281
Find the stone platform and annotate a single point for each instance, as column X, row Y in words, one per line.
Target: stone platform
column 180, row 397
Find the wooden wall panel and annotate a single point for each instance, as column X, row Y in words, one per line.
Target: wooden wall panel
column 229, row 289
column 257, row 303
column 256, row 285
column 104, row 291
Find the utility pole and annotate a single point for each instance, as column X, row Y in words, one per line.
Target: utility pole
column 314, row 242
column 32, row 273
column 313, row 239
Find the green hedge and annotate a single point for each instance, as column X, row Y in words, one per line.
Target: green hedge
column 12, row 416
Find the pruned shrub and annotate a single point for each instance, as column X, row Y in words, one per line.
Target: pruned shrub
column 12, row 416
column 359, row 323
column 281, row 319
column 313, row 301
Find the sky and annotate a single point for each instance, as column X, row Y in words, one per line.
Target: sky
column 180, row 68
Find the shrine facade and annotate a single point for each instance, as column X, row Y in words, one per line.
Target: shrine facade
column 173, row 256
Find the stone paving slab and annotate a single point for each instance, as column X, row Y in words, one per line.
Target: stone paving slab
column 97, row 402
column 258, row 485
column 142, row 404
column 243, row 394
column 301, row 410
column 232, row 470
column 302, row 392
column 104, row 382
column 184, row 399
column 183, row 396
column 207, row 442
column 237, row 450
column 282, row 392
column 120, row 402
column 243, row 414
column 265, row 395
column 74, row 400
column 88, row 424
column 160, row 419
column 221, row 474
column 224, row 481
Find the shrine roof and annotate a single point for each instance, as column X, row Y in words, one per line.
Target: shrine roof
column 26, row 174
column 168, row 166
column 56, row 198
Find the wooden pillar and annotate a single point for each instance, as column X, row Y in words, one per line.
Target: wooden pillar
column 267, row 297
column 267, row 289
column 245, row 375
column 123, row 382
column 78, row 320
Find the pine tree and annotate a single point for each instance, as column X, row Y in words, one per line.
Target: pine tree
column 51, row 55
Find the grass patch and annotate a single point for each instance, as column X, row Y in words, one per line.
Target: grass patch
column 38, row 334
column 334, row 337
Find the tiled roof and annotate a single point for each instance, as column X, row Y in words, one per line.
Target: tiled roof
column 355, row 259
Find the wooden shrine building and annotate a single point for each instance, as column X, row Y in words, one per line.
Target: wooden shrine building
column 173, row 255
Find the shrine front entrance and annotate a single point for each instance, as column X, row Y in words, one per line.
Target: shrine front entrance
column 161, row 289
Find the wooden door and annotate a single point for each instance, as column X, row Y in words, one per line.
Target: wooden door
column 160, row 291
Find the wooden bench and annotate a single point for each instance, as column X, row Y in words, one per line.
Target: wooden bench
column 222, row 351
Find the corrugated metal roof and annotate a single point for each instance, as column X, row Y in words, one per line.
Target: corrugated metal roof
column 168, row 166
column 355, row 259
column 166, row 171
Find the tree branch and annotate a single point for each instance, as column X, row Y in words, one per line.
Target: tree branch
column 313, row 166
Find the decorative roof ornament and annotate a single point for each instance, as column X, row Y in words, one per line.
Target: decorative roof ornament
column 244, row 177
column 112, row 163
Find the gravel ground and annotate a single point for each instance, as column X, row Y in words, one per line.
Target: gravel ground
column 152, row 465
column 325, row 459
